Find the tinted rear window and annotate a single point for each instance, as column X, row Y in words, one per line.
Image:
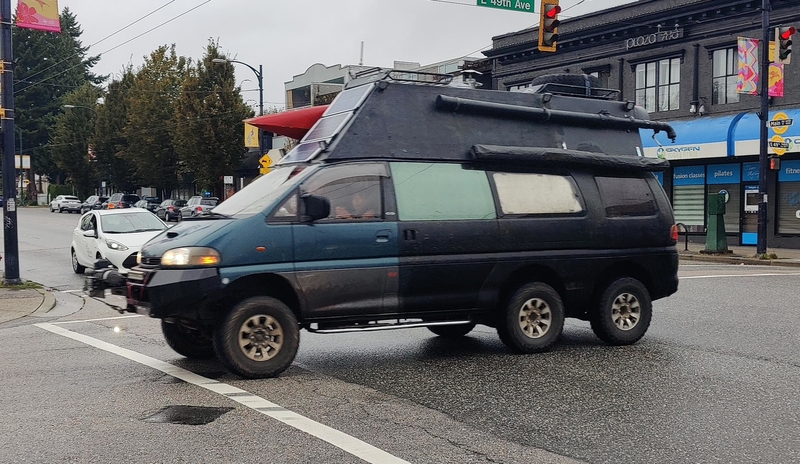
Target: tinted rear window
column 626, row 196
column 208, row 202
column 130, row 198
column 180, row 202
column 71, row 198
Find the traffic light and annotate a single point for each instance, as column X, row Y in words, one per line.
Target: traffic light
column 783, row 37
column 774, row 163
column 548, row 25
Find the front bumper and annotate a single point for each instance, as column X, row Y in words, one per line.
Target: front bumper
column 163, row 293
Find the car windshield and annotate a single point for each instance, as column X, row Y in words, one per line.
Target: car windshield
column 130, row 222
column 130, row 198
column 263, row 192
column 180, row 202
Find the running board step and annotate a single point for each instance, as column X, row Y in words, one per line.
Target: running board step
column 372, row 327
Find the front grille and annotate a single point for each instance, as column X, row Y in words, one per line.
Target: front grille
column 151, row 261
column 130, row 261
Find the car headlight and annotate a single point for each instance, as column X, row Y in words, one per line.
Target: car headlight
column 139, row 258
column 115, row 245
column 190, row 256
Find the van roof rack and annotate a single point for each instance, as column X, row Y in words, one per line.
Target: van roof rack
column 575, row 91
column 398, row 75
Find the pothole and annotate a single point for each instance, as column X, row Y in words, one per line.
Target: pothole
column 186, row 415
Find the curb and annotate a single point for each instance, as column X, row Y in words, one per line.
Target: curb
column 739, row 260
column 48, row 303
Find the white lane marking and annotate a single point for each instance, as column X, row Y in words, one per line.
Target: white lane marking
column 718, row 276
column 98, row 319
column 341, row 440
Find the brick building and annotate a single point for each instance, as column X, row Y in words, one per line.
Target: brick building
column 679, row 60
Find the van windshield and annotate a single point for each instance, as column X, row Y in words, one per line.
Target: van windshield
column 263, row 192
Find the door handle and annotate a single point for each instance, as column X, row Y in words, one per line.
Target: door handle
column 383, row 236
column 410, row 234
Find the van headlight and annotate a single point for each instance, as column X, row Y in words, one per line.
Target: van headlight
column 116, row 246
column 190, row 256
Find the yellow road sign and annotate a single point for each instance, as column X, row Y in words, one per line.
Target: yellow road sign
column 266, row 163
column 780, row 123
column 778, row 145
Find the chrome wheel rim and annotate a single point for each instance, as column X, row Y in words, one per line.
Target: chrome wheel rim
column 261, row 337
column 535, row 318
column 626, row 311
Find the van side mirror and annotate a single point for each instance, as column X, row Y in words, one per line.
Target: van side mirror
column 316, row 207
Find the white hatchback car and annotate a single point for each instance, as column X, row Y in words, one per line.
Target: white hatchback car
column 67, row 203
column 115, row 234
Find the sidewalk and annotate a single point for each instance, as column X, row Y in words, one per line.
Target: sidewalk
column 15, row 304
column 739, row 255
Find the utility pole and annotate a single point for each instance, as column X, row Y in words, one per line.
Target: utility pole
column 10, row 239
column 763, row 162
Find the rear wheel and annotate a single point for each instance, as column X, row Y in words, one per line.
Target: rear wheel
column 180, row 216
column 258, row 338
column 624, row 313
column 451, row 331
column 533, row 320
column 76, row 266
column 190, row 343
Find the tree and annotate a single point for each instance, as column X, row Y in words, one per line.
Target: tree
column 109, row 141
column 69, row 146
column 149, row 130
column 48, row 66
column 208, row 121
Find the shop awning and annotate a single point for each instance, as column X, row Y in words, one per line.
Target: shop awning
column 291, row 123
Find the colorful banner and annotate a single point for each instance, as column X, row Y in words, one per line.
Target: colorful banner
column 250, row 136
column 747, row 82
column 776, row 79
column 38, row 14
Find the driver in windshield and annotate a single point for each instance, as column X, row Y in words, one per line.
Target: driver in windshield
column 361, row 209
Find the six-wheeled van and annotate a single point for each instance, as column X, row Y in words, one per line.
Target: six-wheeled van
column 412, row 204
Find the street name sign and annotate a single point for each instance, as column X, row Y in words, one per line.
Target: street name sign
column 780, row 123
column 525, row 6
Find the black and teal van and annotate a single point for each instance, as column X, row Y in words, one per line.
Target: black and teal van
column 413, row 204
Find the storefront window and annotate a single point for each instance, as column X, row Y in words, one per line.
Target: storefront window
column 688, row 200
column 789, row 198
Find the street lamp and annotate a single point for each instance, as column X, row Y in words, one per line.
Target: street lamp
column 259, row 75
column 80, row 106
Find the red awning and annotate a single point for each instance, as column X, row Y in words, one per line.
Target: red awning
column 291, row 123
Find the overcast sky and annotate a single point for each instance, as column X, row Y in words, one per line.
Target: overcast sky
column 289, row 36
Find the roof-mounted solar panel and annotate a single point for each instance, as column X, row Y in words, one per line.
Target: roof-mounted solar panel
column 327, row 127
column 349, row 100
column 301, row 153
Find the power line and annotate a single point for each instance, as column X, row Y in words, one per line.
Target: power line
column 114, row 48
column 103, row 39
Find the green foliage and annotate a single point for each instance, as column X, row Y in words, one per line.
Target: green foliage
column 48, row 66
column 767, row 256
column 109, row 141
column 151, row 111
column 70, row 139
column 55, row 190
column 208, row 121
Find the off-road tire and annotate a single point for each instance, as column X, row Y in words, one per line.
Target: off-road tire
column 451, row 331
column 580, row 80
column 533, row 319
column 190, row 344
column 251, row 330
column 623, row 313
column 77, row 268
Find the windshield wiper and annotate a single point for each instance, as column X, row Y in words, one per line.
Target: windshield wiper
column 145, row 230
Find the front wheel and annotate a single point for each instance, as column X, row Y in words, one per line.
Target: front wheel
column 624, row 313
column 451, row 331
column 76, row 266
column 533, row 319
column 258, row 338
column 192, row 344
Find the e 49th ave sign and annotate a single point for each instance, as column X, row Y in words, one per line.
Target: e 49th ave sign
column 514, row 5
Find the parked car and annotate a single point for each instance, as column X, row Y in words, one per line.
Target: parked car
column 65, row 203
column 148, row 203
column 116, row 235
column 196, row 206
column 511, row 210
column 169, row 209
column 122, row 200
column 93, row 202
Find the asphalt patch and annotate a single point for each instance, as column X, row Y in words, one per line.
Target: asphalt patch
column 186, row 415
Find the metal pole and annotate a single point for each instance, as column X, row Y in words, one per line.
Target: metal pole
column 260, row 90
column 763, row 162
column 10, row 242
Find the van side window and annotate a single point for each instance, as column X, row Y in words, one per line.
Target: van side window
column 520, row 193
column 354, row 198
column 441, row 191
column 626, row 196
